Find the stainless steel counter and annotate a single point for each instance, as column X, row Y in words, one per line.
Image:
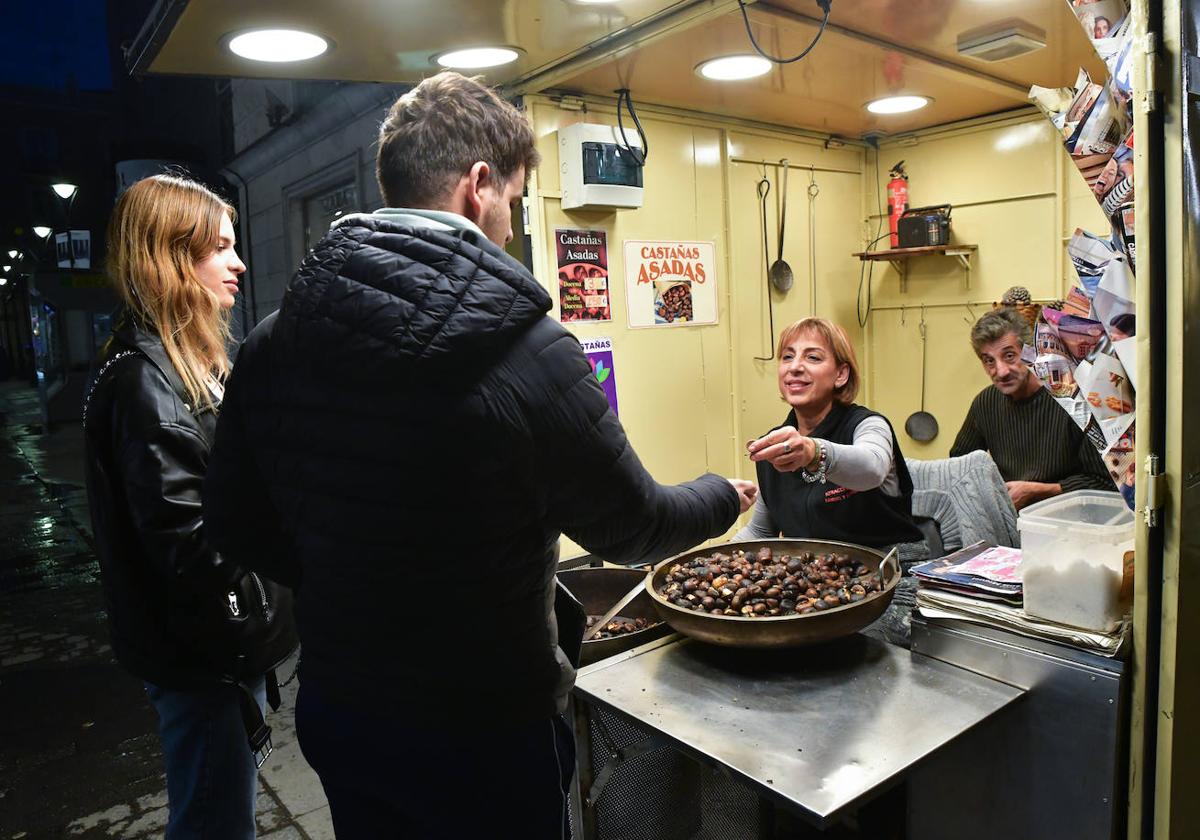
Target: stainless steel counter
column 819, row 729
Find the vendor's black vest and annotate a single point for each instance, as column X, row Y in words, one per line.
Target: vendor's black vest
column 829, row 512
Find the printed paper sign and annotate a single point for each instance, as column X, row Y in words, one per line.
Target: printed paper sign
column 582, row 275
column 670, row 283
column 600, row 354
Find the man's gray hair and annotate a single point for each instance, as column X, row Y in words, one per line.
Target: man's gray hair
column 998, row 323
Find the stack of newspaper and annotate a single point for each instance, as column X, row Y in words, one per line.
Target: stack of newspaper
column 981, row 584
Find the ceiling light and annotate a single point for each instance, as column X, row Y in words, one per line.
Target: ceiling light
column 278, row 45
column 732, row 68
column 476, row 58
column 64, row 190
column 41, row 231
column 897, row 104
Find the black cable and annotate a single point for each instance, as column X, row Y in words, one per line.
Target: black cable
column 624, row 98
column 863, row 269
column 825, row 6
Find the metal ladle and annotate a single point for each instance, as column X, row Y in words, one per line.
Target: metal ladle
column 780, row 272
column 922, row 426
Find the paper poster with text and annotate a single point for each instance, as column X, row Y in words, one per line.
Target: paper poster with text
column 582, row 275
column 600, row 355
column 670, row 284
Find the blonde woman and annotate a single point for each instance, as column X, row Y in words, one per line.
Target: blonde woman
column 832, row 470
column 179, row 615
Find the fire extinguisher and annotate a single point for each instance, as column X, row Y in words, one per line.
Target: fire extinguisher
column 897, row 191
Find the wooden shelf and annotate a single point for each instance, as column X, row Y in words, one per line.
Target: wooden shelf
column 898, row 257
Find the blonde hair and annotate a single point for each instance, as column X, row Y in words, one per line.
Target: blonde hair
column 837, row 341
column 160, row 228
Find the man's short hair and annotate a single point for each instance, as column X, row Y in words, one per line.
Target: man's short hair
column 998, row 323
column 436, row 132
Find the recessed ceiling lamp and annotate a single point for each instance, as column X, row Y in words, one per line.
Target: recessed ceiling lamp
column 897, row 104
column 477, row 58
column 732, row 68
column 278, row 45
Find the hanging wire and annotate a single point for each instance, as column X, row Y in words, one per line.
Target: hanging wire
column 867, row 267
column 823, row 4
column 624, row 98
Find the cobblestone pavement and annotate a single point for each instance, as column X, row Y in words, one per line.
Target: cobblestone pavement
column 79, row 757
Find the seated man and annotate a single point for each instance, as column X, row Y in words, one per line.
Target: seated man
column 1038, row 447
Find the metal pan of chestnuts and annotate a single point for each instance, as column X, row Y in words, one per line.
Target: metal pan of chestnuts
column 773, row 593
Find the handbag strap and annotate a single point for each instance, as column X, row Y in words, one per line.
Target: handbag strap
column 87, row 401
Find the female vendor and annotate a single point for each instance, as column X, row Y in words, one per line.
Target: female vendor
column 833, row 469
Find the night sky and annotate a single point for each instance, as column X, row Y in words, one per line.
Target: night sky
column 56, row 44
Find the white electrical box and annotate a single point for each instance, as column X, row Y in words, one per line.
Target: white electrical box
column 597, row 170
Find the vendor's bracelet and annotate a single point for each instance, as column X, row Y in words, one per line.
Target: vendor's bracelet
column 819, row 475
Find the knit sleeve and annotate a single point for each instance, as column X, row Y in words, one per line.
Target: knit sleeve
column 1092, row 474
column 970, row 438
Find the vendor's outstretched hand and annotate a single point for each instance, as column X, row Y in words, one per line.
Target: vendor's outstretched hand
column 785, row 448
column 747, row 493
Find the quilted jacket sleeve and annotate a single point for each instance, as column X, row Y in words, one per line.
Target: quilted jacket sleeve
column 597, row 492
column 240, row 518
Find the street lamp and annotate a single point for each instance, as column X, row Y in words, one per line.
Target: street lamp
column 14, row 254
column 41, row 231
column 64, row 190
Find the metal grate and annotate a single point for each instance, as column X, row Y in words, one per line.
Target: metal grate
column 663, row 794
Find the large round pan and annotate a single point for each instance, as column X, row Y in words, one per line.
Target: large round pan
column 783, row 631
column 597, row 589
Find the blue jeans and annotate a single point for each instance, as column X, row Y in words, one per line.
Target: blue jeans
column 211, row 779
column 390, row 778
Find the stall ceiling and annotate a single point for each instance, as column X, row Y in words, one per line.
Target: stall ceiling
column 391, row 40
column 872, row 48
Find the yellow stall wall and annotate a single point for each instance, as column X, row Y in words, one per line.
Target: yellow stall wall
column 1018, row 197
column 690, row 397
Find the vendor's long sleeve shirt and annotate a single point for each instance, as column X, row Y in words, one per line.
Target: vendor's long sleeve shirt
column 863, row 465
column 1032, row 440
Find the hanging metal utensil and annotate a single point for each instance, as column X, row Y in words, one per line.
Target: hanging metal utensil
column 764, row 189
column 922, row 426
column 781, row 272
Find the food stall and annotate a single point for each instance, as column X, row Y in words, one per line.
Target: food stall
column 666, row 272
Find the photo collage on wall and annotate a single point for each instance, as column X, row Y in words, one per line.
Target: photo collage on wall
column 1085, row 348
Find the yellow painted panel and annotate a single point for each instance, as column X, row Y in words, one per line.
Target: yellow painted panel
column 1018, row 197
column 673, row 384
column 825, row 246
column 953, row 374
column 985, row 163
column 1018, row 245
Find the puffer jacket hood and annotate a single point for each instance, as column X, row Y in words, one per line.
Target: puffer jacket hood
column 401, row 300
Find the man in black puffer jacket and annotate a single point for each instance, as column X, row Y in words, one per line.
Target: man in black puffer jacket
column 404, row 442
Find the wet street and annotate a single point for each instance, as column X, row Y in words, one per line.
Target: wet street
column 79, row 756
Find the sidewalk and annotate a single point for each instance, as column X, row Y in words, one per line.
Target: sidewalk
column 79, row 754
